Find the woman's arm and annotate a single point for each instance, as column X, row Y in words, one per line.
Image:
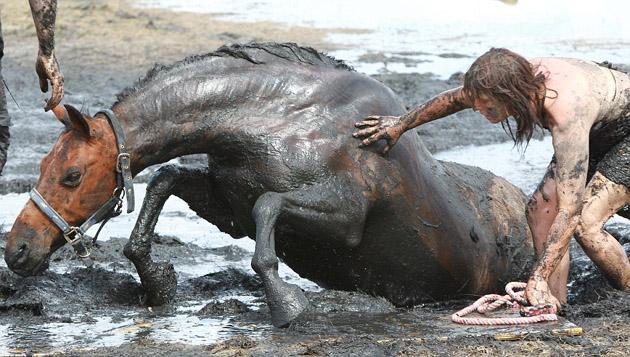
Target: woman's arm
column 44, row 15
column 443, row 104
column 390, row 128
column 571, row 147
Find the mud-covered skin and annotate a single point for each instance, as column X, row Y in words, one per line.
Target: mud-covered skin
column 542, row 209
column 603, row 199
column 593, row 97
column 44, row 15
column 275, row 122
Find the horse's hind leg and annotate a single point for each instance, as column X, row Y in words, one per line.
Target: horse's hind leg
column 159, row 279
column 337, row 213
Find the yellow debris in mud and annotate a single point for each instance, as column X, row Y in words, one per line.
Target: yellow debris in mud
column 575, row 331
column 510, row 336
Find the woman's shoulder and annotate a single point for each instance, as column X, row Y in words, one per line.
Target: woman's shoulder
column 578, row 76
column 561, row 67
column 576, row 89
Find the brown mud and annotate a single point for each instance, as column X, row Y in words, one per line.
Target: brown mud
column 103, row 46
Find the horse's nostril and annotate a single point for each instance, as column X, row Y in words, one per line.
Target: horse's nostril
column 22, row 250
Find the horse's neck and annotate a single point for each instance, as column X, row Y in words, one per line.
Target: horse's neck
column 167, row 126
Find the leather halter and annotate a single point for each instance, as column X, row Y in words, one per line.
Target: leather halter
column 112, row 208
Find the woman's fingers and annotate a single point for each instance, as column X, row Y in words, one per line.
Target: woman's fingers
column 369, row 121
column 372, row 139
column 365, row 132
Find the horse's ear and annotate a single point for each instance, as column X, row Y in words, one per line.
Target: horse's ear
column 78, row 120
column 60, row 114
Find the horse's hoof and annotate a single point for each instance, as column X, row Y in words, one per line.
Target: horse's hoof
column 160, row 284
column 287, row 305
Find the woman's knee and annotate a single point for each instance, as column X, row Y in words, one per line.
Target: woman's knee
column 586, row 226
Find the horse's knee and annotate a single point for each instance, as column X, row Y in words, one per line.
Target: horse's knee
column 134, row 252
column 264, row 261
column 265, row 211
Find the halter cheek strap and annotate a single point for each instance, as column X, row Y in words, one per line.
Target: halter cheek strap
column 73, row 234
column 123, row 162
column 112, row 208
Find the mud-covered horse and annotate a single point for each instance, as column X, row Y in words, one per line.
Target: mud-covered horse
column 276, row 122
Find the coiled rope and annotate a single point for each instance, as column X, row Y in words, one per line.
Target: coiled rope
column 515, row 300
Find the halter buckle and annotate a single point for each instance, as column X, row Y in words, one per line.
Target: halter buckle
column 119, row 162
column 73, row 235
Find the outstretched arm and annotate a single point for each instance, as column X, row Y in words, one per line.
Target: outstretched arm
column 390, row 128
column 443, row 104
column 44, row 15
column 571, row 148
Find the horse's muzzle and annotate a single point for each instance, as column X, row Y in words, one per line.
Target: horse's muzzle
column 22, row 258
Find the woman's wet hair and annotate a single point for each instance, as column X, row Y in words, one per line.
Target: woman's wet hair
column 510, row 79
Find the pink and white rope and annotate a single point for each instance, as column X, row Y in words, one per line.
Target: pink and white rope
column 491, row 302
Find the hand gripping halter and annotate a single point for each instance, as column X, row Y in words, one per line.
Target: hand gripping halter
column 112, row 208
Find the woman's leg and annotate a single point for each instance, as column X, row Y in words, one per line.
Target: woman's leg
column 602, row 200
column 541, row 212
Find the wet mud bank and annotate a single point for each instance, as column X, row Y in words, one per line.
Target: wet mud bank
column 95, row 306
column 102, row 299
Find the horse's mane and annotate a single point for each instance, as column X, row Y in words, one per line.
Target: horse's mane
column 251, row 52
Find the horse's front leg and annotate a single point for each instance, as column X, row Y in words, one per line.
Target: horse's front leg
column 322, row 207
column 159, row 279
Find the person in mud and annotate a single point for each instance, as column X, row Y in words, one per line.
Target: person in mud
column 44, row 14
column 586, row 107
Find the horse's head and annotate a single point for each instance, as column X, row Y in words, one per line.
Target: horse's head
column 77, row 176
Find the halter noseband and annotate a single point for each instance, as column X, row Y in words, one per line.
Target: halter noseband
column 112, row 208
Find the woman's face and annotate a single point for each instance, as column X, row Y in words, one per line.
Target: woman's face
column 491, row 108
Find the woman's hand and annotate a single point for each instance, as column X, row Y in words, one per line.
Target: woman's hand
column 376, row 127
column 47, row 70
column 537, row 293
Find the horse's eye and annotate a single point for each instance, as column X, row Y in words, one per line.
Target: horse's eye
column 72, row 177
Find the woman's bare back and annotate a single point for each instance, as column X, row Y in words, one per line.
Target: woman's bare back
column 599, row 93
